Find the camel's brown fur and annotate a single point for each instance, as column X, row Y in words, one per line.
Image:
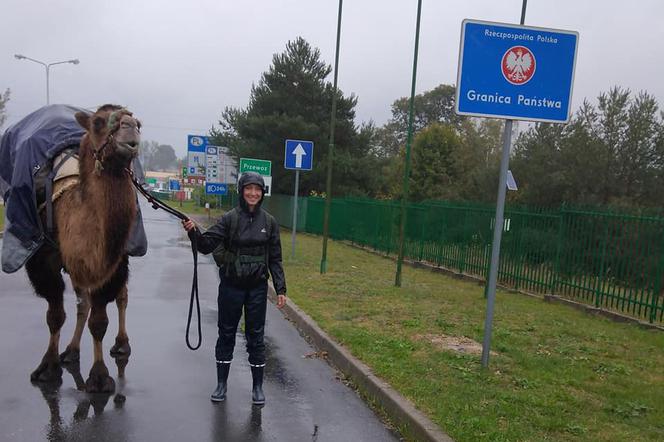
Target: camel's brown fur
column 92, row 221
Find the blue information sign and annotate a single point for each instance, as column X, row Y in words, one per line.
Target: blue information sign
column 299, row 155
column 516, row 72
column 196, row 143
column 216, row 188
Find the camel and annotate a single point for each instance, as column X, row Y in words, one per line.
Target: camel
column 92, row 221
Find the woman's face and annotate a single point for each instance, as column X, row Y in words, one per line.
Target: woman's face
column 252, row 194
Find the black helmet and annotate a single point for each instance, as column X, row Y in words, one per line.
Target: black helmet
column 250, row 178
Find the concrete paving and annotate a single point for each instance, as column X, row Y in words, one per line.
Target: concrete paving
column 164, row 393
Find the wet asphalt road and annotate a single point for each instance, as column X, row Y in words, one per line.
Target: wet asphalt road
column 164, row 394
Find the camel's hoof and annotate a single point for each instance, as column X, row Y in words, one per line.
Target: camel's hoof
column 121, row 362
column 98, row 402
column 100, row 384
column 99, row 380
column 47, row 372
column 70, row 355
column 121, row 348
column 74, row 369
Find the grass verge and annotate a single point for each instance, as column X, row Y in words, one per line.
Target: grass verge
column 557, row 374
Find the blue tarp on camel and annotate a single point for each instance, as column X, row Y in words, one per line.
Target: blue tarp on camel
column 25, row 148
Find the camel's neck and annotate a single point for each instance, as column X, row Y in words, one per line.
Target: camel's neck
column 109, row 200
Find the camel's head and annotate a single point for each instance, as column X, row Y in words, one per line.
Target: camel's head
column 114, row 136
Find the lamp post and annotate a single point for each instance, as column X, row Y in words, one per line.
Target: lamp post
column 48, row 67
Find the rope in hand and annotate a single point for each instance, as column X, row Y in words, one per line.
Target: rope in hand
column 158, row 204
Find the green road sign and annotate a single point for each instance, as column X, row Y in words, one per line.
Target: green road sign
column 263, row 167
column 151, row 181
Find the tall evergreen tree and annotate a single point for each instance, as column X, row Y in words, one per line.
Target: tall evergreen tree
column 293, row 100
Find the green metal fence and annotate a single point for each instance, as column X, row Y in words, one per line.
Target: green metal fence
column 612, row 261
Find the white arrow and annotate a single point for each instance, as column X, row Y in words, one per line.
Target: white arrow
column 298, row 152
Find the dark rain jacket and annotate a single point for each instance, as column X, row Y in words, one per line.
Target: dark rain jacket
column 251, row 238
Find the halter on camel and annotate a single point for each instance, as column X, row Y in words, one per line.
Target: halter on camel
column 113, row 125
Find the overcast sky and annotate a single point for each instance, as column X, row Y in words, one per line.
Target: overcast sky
column 176, row 64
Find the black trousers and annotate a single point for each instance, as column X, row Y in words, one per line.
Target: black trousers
column 231, row 301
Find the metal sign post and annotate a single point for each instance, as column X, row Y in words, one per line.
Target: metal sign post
column 512, row 72
column 297, row 185
column 406, row 173
column 298, row 155
column 330, row 150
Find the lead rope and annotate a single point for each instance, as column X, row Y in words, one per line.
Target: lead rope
column 158, row 204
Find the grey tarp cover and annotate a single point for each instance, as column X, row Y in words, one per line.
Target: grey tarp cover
column 26, row 147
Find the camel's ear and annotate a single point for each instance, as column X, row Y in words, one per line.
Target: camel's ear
column 83, row 119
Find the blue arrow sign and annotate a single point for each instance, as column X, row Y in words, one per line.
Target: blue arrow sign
column 516, row 72
column 299, row 155
column 216, row 188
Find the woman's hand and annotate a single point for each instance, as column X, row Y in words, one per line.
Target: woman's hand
column 281, row 301
column 188, row 225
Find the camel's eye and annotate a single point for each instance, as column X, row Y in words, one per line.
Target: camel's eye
column 99, row 124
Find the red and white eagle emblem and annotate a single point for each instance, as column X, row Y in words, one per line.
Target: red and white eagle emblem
column 518, row 65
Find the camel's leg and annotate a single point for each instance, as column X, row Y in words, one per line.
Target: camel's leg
column 99, row 380
column 73, row 351
column 121, row 347
column 44, row 273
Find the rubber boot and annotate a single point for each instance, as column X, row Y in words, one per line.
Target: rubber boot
column 257, row 396
column 219, row 393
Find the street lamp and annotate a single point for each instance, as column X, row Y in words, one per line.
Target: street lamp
column 48, row 67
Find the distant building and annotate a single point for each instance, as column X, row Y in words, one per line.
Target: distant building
column 159, row 180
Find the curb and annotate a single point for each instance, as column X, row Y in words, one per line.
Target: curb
column 399, row 409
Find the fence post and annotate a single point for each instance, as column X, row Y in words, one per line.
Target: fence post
column 658, row 285
column 464, row 247
column 555, row 275
column 600, row 277
column 423, row 223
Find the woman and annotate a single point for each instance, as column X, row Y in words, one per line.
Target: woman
column 245, row 244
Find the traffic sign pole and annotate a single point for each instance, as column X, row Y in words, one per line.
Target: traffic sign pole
column 297, row 185
column 498, row 231
column 406, row 173
column 298, row 155
column 330, row 151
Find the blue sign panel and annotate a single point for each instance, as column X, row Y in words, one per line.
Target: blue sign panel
column 516, row 72
column 216, row 188
column 173, row 184
column 299, row 155
column 196, row 143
